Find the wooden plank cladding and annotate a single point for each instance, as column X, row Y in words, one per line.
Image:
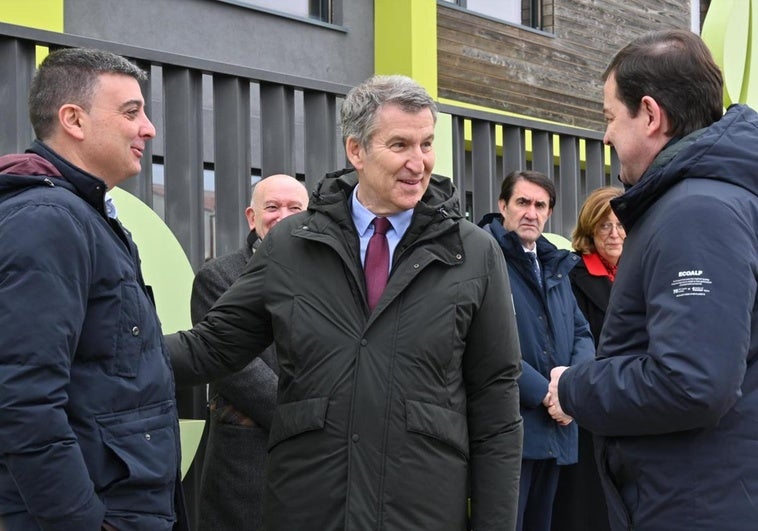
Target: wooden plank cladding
column 554, row 75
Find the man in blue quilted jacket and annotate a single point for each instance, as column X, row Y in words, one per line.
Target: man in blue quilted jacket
column 89, row 436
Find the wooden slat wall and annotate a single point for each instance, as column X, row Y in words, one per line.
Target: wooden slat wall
column 553, row 76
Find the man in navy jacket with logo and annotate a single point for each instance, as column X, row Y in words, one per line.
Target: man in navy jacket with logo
column 673, row 394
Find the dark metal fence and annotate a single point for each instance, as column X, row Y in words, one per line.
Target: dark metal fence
column 575, row 159
column 179, row 83
column 486, row 146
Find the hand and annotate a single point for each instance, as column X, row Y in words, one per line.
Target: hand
column 554, row 405
column 547, row 400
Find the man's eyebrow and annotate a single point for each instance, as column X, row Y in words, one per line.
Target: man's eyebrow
column 407, row 138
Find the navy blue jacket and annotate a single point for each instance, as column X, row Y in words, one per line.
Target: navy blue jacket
column 552, row 331
column 674, row 393
column 88, row 422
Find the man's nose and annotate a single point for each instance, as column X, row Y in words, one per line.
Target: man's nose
column 148, row 129
column 415, row 161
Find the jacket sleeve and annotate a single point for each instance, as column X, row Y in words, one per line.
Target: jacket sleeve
column 253, row 389
column 532, row 386
column 584, row 344
column 45, row 272
column 689, row 372
column 491, row 368
column 231, row 334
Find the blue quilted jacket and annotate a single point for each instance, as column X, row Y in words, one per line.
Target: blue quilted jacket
column 88, row 422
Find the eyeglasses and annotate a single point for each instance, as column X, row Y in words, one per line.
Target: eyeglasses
column 607, row 227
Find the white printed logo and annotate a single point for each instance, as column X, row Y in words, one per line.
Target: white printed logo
column 691, row 282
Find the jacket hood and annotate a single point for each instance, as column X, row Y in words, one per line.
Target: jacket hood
column 41, row 165
column 19, row 171
column 723, row 151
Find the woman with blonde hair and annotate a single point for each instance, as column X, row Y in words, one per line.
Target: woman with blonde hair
column 599, row 239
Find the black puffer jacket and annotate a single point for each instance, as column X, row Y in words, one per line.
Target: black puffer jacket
column 383, row 416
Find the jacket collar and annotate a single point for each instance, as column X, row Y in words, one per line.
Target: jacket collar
column 553, row 259
column 439, row 204
column 722, row 151
column 92, row 189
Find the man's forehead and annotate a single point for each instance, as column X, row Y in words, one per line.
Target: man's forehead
column 391, row 117
column 524, row 189
column 284, row 194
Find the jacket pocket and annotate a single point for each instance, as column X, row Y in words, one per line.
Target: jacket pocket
column 439, row 423
column 298, row 417
column 139, row 472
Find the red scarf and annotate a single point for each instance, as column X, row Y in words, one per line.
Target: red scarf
column 599, row 266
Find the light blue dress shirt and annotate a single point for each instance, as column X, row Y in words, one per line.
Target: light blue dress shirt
column 110, row 206
column 362, row 219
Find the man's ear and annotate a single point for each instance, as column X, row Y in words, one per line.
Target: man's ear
column 355, row 152
column 250, row 216
column 70, row 117
column 501, row 206
column 657, row 121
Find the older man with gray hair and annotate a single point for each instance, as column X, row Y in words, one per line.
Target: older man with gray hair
column 396, row 338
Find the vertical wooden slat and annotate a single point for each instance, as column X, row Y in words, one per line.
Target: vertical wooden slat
column 17, row 65
column 277, row 129
column 514, row 149
column 542, row 152
column 459, row 160
column 568, row 186
column 483, row 153
column 595, row 166
column 320, row 136
column 182, row 89
column 231, row 134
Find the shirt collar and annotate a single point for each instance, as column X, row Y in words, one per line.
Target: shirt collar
column 362, row 217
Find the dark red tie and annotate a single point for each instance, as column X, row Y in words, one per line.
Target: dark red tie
column 377, row 263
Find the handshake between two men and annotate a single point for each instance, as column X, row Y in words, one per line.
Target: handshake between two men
column 551, row 401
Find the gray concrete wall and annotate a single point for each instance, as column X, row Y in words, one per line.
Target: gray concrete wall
column 214, row 30
column 219, row 31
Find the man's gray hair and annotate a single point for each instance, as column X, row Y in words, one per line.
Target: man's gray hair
column 358, row 113
column 70, row 76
